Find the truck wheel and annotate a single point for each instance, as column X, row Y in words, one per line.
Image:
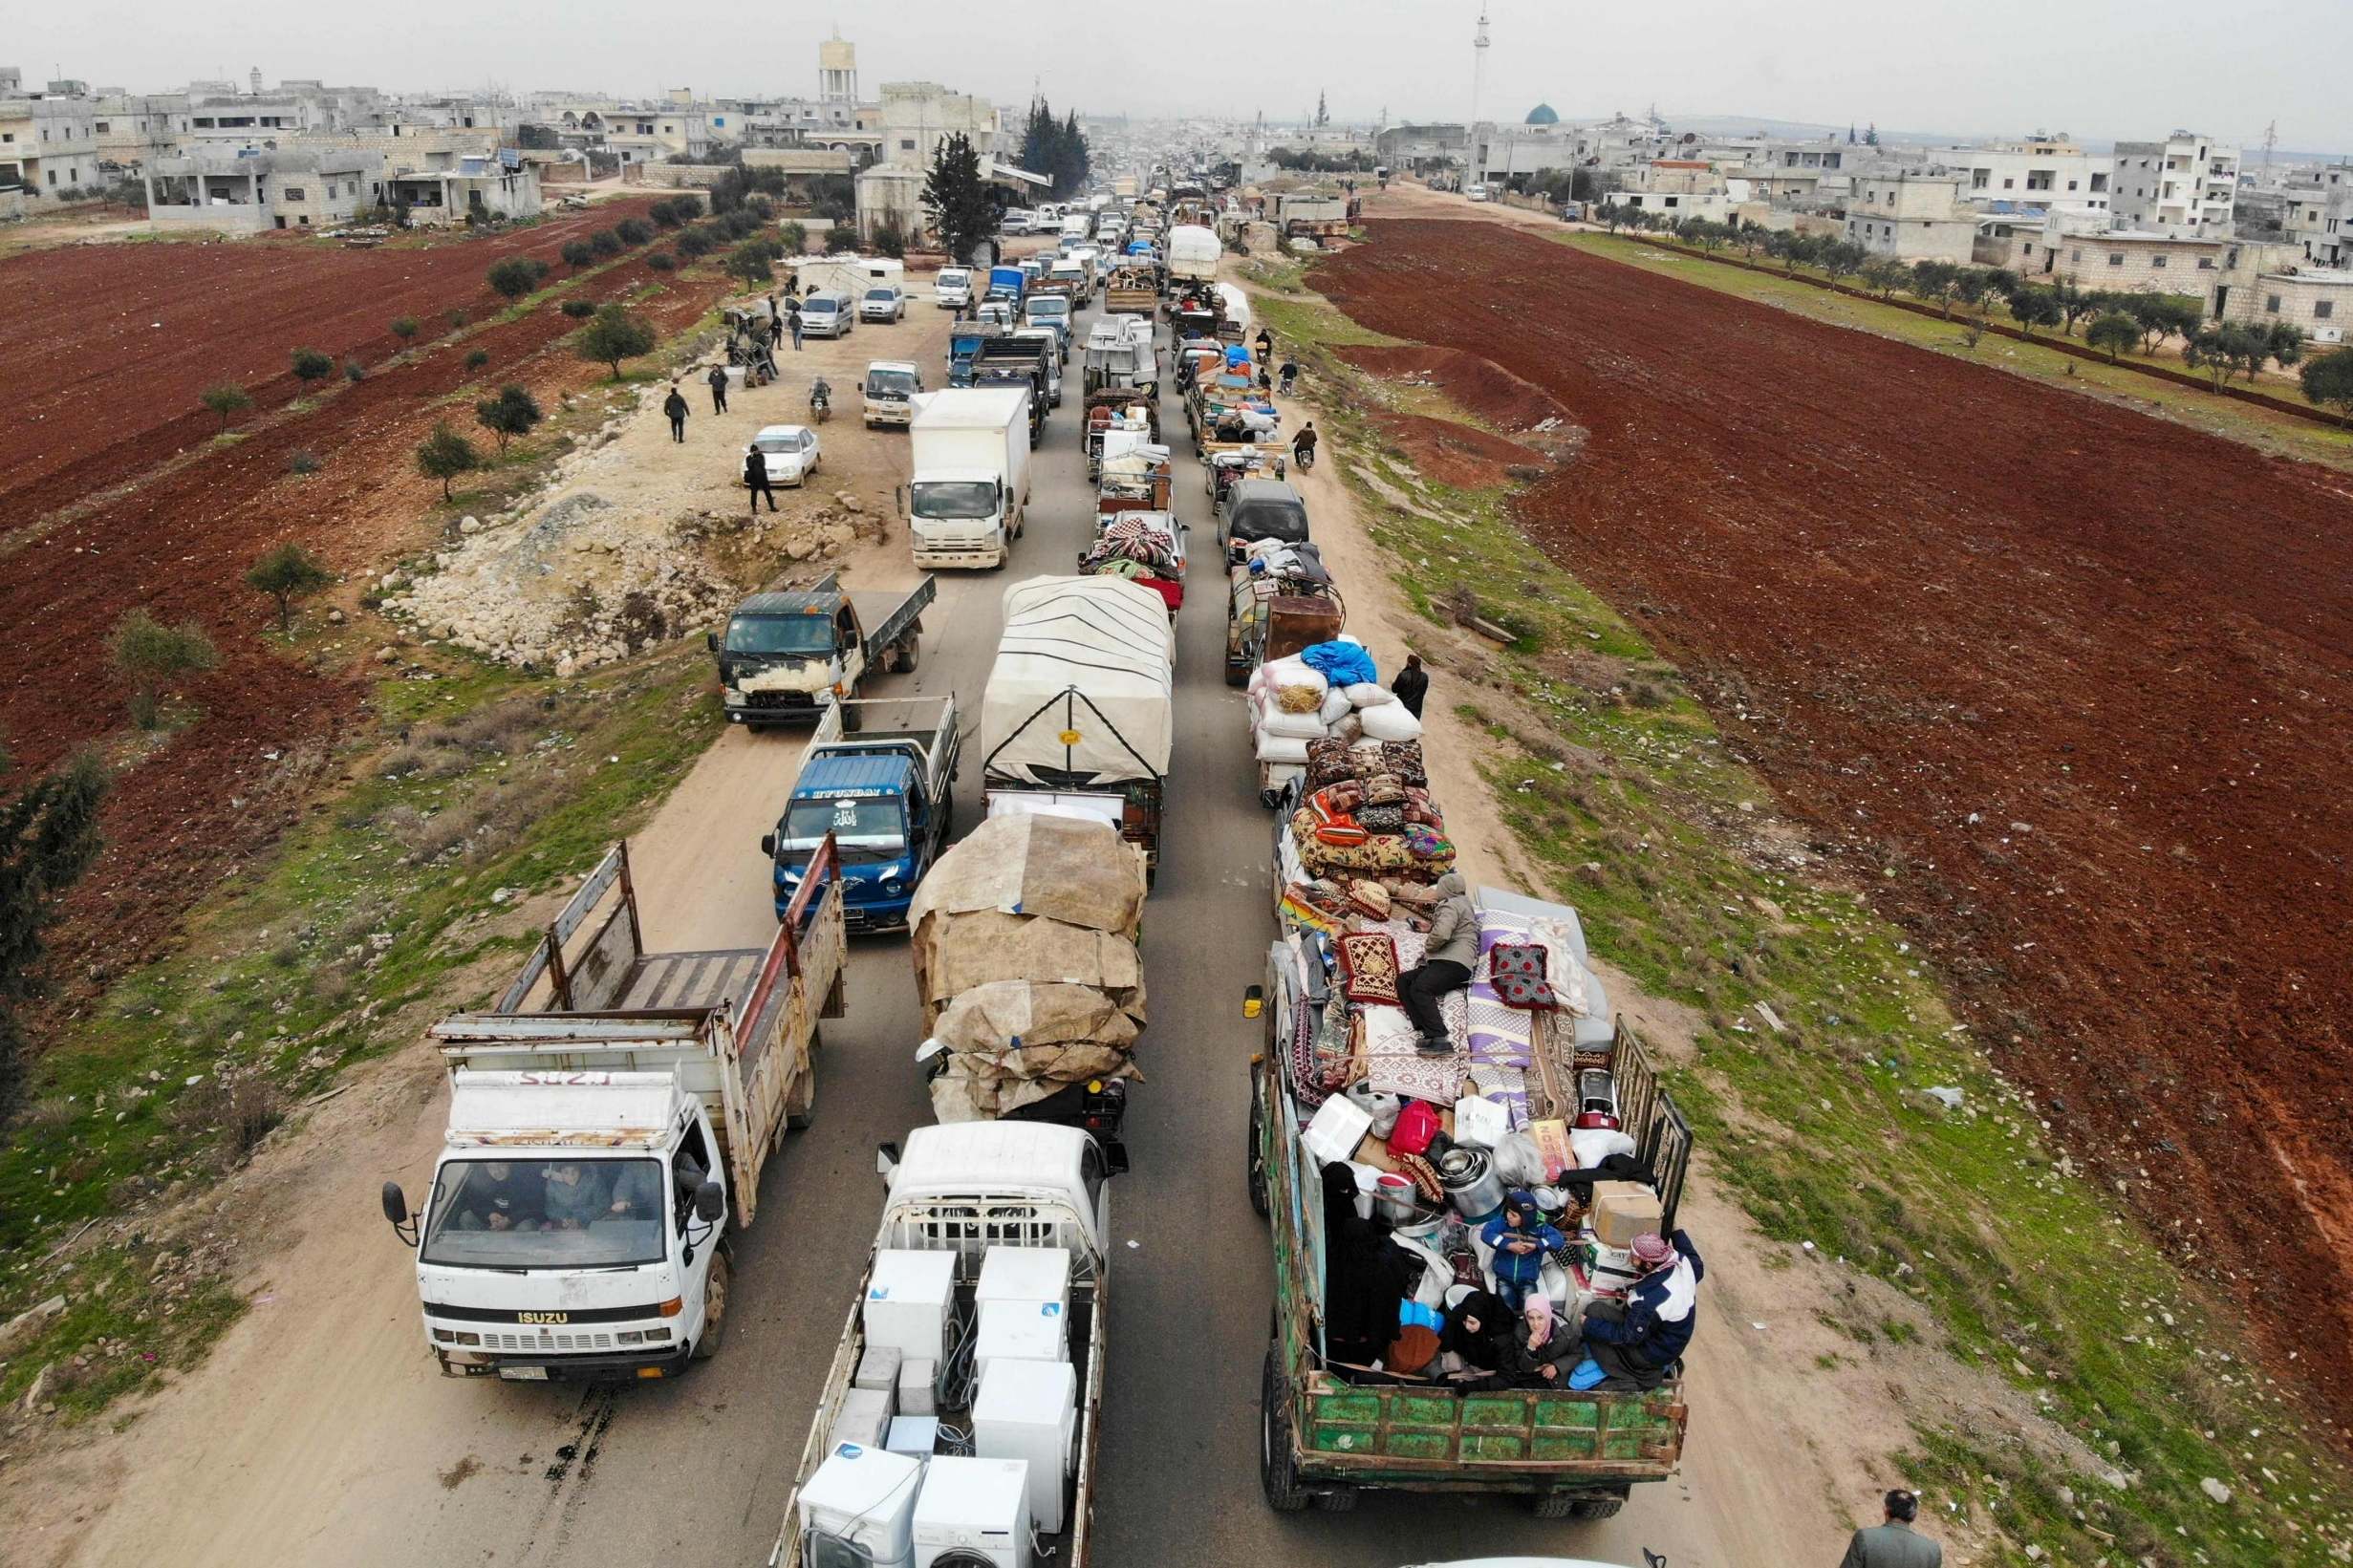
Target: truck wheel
column 1597, row 1508
column 1340, row 1499
column 1237, row 677
column 910, row 652
column 801, row 1103
column 1278, row 1469
column 713, row 1307
column 1254, row 1166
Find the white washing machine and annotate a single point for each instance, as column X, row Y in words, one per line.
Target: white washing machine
column 906, row 1307
column 1028, row 1410
column 972, row 1514
column 865, row 1498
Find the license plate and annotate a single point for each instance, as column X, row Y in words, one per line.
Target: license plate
column 524, row 1374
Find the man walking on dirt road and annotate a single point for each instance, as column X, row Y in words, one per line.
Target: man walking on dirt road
column 718, row 389
column 1893, row 1544
column 675, row 406
column 1411, row 684
column 756, row 479
column 792, row 314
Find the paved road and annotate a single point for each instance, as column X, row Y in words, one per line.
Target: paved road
column 368, row 1457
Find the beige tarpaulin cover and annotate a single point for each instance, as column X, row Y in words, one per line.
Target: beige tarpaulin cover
column 1063, row 868
column 1024, row 938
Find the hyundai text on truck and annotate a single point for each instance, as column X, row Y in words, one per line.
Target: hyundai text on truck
column 970, row 449
column 960, row 1419
column 1078, row 716
column 609, row 1119
column 785, row 655
column 884, row 799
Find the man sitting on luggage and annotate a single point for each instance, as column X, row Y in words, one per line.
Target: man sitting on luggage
column 1635, row 1343
column 1445, row 965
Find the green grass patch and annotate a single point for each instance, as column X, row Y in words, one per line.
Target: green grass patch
column 1623, row 795
column 2237, row 421
column 374, row 903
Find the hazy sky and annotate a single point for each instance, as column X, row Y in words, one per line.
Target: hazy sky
column 2096, row 67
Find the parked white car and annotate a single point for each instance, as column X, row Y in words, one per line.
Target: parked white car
column 884, row 302
column 1476, row 193
column 952, row 288
column 792, row 453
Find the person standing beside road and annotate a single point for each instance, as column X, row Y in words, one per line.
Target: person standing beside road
column 1411, row 684
column 675, row 406
column 1893, row 1544
column 718, row 389
column 756, row 479
column 792, row 315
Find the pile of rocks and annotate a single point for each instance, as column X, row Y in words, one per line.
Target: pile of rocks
column 584, row 582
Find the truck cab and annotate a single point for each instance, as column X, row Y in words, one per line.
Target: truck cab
column 1051, row 310
column 884, row 396
column 952, row 288
column 1008, row 283
column 785, row 655
column 886, row 799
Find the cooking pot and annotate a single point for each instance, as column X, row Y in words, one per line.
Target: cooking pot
column 1393, row 1196
column 1473, row 1185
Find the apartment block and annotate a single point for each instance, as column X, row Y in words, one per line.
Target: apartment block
column 243, row 192
column 1911, row 217
column 2049, row 171
column 48, row 143
column 2186, row 184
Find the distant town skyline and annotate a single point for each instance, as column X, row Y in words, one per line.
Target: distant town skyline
column 2100, row 69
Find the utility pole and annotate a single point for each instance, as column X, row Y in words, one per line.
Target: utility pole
column 1478, row 82
column 2271, row 139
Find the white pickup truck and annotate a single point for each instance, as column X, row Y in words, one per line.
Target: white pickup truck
column 963, row 1410
column 607, row 1119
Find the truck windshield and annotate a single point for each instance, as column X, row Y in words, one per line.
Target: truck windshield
column 780, row 634
column 546, row 1213
column 1053, row 305
column 866, row 821
column 953, row 499
column 889, row 383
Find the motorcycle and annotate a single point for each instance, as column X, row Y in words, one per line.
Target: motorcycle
column 820, row 407
column 1303, row 457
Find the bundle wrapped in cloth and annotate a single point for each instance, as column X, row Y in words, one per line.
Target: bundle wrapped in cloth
column 1023, row 937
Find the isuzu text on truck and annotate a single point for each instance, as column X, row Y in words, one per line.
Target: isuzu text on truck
column 608, row 1119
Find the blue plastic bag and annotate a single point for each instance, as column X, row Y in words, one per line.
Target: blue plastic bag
column 1589, row 1374
column 1342, row 663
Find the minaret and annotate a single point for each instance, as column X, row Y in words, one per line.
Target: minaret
column 1478, row 81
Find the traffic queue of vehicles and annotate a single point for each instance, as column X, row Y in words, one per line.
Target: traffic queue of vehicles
column 610, row 1114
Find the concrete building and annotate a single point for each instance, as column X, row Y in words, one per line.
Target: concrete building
column 837, row 73
column 2318, row 299
column 49, row 144
column 1911, row 217
column 477, row 189
column 133, row 127
column 256, row 119
column 2318, row 216
column 634, row 132
column 240, row 192
column 2093, row 255
column 2183, row 185
column 1418, row 148
column 2049, row 171
column 916, row 117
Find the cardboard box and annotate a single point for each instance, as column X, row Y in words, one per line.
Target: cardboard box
column 1551, row 1135
column 1622, row 1211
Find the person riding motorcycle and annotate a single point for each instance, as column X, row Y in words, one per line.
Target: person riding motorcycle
column 821, row 399
column 1303, row 445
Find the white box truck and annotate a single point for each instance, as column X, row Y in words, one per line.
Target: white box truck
column 1010, row 1456
column 1192, row 253
column 971, row 482
column 607, row 1118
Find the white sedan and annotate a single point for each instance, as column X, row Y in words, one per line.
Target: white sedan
column 791, row 452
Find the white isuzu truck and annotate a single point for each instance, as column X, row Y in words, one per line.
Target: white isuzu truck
column 970, row 446
column 960, row 1420
column 609, row 1119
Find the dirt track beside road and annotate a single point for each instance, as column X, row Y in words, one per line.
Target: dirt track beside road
column 2066, row 686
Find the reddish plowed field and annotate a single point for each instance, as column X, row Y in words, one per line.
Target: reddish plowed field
column 106, row 347
column 179, row 545
column 1935, row 601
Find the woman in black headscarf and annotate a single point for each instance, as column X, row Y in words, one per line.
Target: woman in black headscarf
column 1479, row 1330
column 1365, row 1276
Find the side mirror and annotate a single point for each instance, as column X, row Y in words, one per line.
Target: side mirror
column 1115, row 1158
column 767, row 844
column 710, row 640
column 710, row 1202
column 395, row 1203
column 886, row 1159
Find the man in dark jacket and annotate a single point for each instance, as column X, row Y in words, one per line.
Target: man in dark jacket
column 1893, row 1544
column 675, row 406
column 1411, row 684
column 1635, row 1345
column 1445, row 965
column 756, row 479
column 718, row 389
